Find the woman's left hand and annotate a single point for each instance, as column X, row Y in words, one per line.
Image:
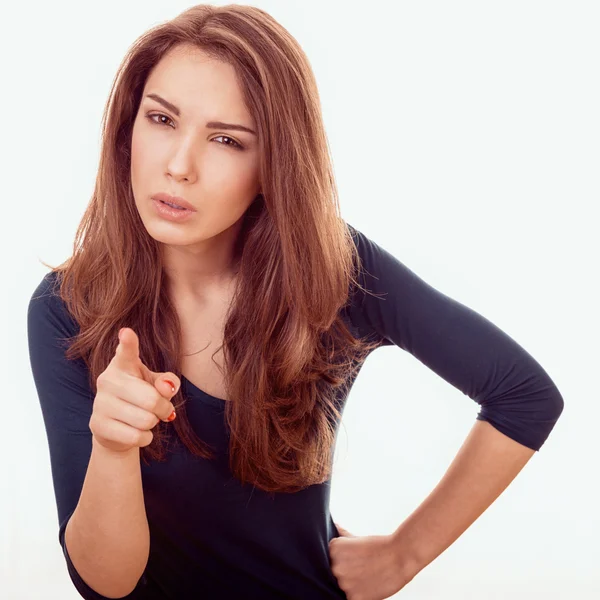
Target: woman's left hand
column 368, row 567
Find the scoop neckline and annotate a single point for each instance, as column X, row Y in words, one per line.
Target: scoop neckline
column 201, row 393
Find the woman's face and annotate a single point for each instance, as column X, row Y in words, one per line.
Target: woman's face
column 213, row 167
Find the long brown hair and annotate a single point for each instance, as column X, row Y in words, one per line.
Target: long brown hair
column 287, row 352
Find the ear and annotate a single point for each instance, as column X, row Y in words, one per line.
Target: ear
column 343, row 532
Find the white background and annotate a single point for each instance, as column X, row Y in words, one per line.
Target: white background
column 465, row 138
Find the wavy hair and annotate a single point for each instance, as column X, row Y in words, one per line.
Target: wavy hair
column 288, row 355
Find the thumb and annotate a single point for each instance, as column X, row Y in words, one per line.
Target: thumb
column 167, row 383
column 343, row 532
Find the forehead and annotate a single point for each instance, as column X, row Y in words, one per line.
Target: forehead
column 198, row 84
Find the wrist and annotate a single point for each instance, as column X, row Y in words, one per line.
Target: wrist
column 407, row 556
column 99, row 448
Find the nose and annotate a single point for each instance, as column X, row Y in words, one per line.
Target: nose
column 181, row 166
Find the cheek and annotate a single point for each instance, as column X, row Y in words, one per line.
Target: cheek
column 140, row 155
column 231, row 178
column 228, row 190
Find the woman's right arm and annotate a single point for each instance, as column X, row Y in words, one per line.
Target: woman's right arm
column 107, row 537
column 98, row 490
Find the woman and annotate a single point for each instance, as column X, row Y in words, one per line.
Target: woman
column 219, row 310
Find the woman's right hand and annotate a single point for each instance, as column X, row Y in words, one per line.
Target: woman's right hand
column 130, row 399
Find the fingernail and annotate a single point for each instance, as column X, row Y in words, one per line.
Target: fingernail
column 171, row 384
column 120, row 331
column 171, row 417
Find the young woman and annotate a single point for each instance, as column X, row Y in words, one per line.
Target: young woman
column 193, row 356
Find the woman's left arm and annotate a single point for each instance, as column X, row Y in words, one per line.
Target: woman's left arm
column 483, row 468
column 377, row 566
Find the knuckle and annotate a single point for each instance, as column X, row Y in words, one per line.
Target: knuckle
column 146, row 439
column 156, row 401
column 136, row 437
column 101, row 379
column 92, row 421
column 150, row 420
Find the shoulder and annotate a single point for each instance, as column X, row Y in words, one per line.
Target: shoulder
column 373, row 257
column 47, row 310
column 378, row 270
column 370, row 275
column 47, row 286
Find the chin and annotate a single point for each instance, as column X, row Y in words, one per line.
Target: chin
column 172, row 236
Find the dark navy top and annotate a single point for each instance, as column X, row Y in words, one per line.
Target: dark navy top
column 212, row 537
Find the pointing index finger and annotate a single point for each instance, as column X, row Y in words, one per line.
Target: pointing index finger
column 127, row 355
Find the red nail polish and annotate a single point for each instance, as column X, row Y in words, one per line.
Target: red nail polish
column 171, row 417
column 171, row 384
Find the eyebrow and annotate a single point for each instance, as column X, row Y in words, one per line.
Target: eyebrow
column 210, row 124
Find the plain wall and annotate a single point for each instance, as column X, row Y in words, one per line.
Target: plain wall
column 465, row 142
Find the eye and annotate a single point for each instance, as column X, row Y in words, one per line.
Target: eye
column 235, row 145
column 160, row 116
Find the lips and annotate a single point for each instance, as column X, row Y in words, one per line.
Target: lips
column 178, row 200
